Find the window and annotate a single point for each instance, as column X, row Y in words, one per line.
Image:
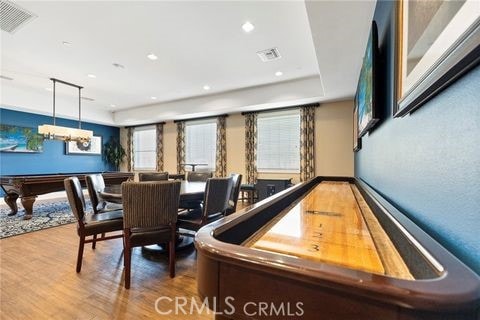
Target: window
column 278, row 141
column 200, row 143
column 145, row 148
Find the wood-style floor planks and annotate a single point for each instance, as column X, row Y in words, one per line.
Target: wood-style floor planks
column 38, row 280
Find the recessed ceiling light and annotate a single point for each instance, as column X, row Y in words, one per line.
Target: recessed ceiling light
column 66, row 43
column 118, row 65
column 152, row 56
column 248, row 26
column 112, row 105
column 91, row 76
column 205, row 87
column 153, row 98
column 278, row 73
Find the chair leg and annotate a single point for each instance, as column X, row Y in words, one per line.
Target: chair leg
column 81, row 244
column 94, row 242
column 171, row 253
column 127, row 259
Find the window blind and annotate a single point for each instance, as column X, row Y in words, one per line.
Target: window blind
column 200, row 143
column 145, row 148
column 278, row 141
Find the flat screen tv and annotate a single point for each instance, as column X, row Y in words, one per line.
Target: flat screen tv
column 365, row 96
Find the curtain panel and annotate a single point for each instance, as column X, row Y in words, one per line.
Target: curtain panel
column 307, row 142
column 251, row 147
column 221, row 148
column 130, row 149
column 159, row 133
column 181, row 152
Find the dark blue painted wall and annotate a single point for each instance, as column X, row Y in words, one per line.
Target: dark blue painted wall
column 428, row 163
column 53, row 158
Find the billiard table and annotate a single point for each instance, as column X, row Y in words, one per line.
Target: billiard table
column 28, row 187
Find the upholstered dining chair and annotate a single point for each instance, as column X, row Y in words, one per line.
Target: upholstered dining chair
column 150, row 217
column 90, row 224
column 95, row 184
column 232, row 203
column 217, row 194
column 152, row 176
column 198, row 176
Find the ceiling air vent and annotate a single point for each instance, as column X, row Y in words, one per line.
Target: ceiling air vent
column 5, row 78
column 269, row 54
column 12, row 16
column 87, row 99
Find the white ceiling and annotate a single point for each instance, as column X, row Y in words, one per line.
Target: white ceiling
column 197, row 43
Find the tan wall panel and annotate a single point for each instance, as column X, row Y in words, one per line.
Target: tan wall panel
column 236, row 144
column 334, row 139
column 170, row 147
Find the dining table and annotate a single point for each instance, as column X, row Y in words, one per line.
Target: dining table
column 189, row 191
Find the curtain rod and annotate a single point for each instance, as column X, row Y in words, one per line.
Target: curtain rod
column 283, row 109
column 144, row 125
column 201, row 118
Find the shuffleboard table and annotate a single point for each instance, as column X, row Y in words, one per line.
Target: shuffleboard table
column 330, row 248
column 28, row 187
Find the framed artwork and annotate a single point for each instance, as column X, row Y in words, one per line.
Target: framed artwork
column 92, row 147
column 365, row 96
column 20, row 139
column 437, row 41
column 357, row 142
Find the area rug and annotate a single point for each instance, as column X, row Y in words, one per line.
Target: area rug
column 45, row 215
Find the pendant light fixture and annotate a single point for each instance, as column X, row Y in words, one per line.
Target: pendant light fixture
column 66, row 133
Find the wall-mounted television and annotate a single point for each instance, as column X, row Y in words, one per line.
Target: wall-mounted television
column 365, row 98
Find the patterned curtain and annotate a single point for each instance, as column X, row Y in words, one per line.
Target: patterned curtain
column 307, row 142
column 221, row 148
column 159, row 132
column 180, row 146
column 130, row 149
column 251, row 147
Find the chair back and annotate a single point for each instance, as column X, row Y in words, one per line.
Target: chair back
column 95, row 184
column 236, row 182
column 150, row 204
column 75, row 198
column 217, row 194
column 199, row 176
column 153, row 176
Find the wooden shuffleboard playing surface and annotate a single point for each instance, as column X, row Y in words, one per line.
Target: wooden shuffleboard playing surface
column 332, row 224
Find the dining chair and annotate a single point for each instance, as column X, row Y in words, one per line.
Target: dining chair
column 95, row 184
column 217, row 194
column 194, row 176
column 150, row 217
column 199, row 176
column 232, row 203
column 152, row 176
column 90, row 224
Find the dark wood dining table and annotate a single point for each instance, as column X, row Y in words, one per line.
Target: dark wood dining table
column 189, row 191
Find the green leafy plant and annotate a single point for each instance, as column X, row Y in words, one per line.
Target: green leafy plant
column 114, row 152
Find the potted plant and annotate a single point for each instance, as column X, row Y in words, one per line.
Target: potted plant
column 114, row 152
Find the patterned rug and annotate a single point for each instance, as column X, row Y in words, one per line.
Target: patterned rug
column 45, row 215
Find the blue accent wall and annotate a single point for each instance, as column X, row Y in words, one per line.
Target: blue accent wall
column 428, row 163
column 53, row 158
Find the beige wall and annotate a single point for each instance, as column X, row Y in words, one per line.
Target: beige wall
column 333, row 143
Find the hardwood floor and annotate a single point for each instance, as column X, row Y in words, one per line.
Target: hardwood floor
column 38, row 280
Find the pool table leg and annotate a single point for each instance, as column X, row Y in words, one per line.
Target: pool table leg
column 11, row 201
column 27, row 203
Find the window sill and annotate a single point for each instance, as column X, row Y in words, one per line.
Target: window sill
column 278, row 171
